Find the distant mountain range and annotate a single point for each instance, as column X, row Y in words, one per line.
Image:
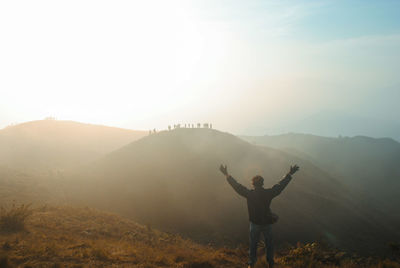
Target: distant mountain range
column 334, row 124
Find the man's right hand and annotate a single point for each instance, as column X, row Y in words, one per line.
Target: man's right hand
column 293, row 169
column 224, row 170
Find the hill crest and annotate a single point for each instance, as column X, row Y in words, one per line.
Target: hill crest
column 54, row 144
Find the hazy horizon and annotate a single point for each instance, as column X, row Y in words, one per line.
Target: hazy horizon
column 251, row 68
column 272, row 132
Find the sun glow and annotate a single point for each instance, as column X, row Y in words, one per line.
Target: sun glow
column 246, row 66
column 104, row 58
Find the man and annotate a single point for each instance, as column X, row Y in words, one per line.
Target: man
column 260, row 216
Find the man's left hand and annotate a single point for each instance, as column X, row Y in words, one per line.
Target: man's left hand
column 224, row 170
column 293, row 169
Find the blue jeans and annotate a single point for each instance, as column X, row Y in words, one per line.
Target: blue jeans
column 255, row 232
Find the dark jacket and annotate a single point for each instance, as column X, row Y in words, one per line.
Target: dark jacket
column 259, row 199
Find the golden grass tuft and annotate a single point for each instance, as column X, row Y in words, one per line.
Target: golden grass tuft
column 13, row 219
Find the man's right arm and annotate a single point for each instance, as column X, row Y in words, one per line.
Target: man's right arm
column 240, row 189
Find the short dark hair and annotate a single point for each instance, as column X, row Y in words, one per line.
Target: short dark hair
column 257, row 181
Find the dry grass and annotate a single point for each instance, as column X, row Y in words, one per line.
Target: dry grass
column 84, row 237
column 314, row 255
column 13, row 219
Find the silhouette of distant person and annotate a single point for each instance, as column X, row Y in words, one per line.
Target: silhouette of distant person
column 260, row 216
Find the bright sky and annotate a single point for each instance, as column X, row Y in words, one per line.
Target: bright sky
column 242, row 65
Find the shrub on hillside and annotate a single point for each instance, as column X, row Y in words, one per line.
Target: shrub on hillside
column 313, row 255
column 13, row 219
column 4, row 261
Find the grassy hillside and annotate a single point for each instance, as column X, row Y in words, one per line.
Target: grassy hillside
column 171, row 180
column 73, row 237
column 368, row 164
column 50, row 144
column 84, row 237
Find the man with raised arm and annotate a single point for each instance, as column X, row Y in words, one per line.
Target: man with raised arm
column 260, row 216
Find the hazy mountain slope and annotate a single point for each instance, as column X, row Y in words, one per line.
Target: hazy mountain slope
column 368, row 164
column 171, row 180
column 17, row 185
column 59, row 144
column 29, row 187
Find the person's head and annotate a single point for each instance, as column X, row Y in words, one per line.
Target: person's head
column 257, row 181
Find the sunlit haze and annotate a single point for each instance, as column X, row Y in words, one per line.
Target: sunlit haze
column 293, row 137
column 245, row 66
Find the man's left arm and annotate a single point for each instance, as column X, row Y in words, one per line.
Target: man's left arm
column 279, row 187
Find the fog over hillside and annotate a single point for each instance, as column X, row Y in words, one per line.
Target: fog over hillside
column 370, row 165
column 171, row 180
column 59, row 144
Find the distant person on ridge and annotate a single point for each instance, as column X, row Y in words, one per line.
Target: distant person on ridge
column 260, row 215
